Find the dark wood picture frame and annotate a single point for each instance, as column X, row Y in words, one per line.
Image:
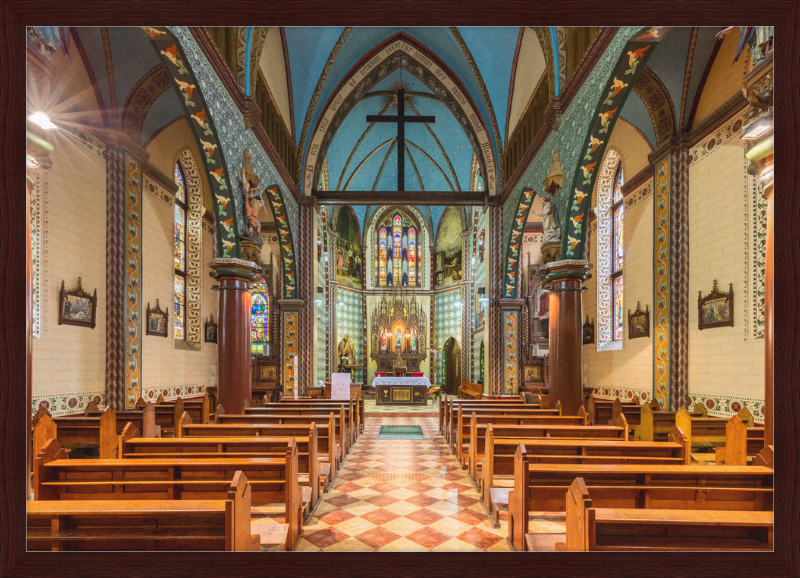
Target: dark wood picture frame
column 639, row 322
column 711, row 305
column 588, row 331
column 153, row 313
column 80, row 303
column 210, row 330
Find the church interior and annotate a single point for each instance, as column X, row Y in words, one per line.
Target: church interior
column 404, row 289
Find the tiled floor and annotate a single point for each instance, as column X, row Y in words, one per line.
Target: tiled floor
column 370, row 407
column 402, row 495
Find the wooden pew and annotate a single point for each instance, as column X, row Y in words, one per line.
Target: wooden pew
column 446, row 404
column 469, row 390
column 325, row 403
column 627, row 529
column 460, row 420
column 201, row 524
column 75, row 430
column 451, row 428
column 499, row 457
column 740, row 441
column 543, row 487
column 648, row 424
column 473, row 432
column 330, row 446
column 143, row 418
column 309, row 467
column 601, row 411
column 347, row 416
column 353, row 410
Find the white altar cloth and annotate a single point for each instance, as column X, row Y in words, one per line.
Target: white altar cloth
column 401, row 381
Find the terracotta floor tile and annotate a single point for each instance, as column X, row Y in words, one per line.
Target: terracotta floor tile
column 341, row 500
column 424, row 516
column 347, row 487
column 421, row 500
column 377, row 537
column 479, row 538
column 402, row 545
column 349, row 545
column 324, row 538
column 355, row 526
column 381, row 500
column 462, row 500
column 428, row 537
column 381, row 516
column 336, row 517
column 469, row 517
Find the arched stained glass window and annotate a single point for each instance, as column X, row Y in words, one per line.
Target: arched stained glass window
column 259, row 317
column 382, row 253
column 412, row 256
column 179, row 256
column 617, row 254
column 397, row 250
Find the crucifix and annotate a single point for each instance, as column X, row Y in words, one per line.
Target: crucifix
column 401, row 119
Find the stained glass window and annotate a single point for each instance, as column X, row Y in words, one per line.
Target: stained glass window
column 397, row 250
column 179, row 256
column 259, row 317
column 382, row 250
column 618, row 185
column 617, row 321
column 618, row 231
column 412, row 256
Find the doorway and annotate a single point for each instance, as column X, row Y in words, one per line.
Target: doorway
column 452, row 366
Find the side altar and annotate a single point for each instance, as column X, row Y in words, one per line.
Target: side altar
column 398, row 332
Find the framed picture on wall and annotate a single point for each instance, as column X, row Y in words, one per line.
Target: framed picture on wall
column 76, row 307
column 211, row 330
column 639, row 322
column 588, row 331
column 156, row 321
column 715, row 309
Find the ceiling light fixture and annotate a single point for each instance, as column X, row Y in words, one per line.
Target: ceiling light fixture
column 43, row 121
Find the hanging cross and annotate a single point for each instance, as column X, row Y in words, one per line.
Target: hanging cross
column 401, row 119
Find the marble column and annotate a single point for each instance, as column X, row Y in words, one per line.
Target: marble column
column 565, row 280
column 234, row 367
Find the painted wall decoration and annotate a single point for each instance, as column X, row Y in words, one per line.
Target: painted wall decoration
column 618, row 86
column 347, row 252
column 194, row 248
column 605, row 198
column 285, row 241
column 661, row 284
column 350, row 322
column 186, row 86
column 35, row 196
column 447, row 324
column 510, row 352
column 290, row 339
column 132, row 303
column 400, row 50
column 511, row 265
column 449, row 249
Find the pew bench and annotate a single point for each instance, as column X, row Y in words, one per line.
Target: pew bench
column 449, row 411
column 324, row 403
column 601, row 411
column 635, row 530
column 347, row 415
column 470, row 390
column 217, row 524
column 462, row 415
column 446, row 403
column 352, row 411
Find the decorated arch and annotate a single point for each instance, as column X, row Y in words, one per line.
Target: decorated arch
column 286, row 241
column 514, row 244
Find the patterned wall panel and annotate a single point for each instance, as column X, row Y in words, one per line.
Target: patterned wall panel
column 448, row 324
column 510, row 352
column 661, row 283
column 321, row 312
column 115, row 274
column 290, row 339
column 35, row 197
column 349, row 323
column 511, row 265
column 194, row 249
column 132, row 302
column 605, row 192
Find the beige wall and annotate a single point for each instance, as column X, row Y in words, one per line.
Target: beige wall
column 273, row 66
column 529, row 72
column 69, row 361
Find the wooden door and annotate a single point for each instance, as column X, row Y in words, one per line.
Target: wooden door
column 452, row 353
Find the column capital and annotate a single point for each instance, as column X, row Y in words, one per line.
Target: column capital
column 292, row 304
column 567, row 269
column 231, row 267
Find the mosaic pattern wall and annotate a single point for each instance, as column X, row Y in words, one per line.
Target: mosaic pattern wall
column 321, row 313
column 290, row 324
column 132, row 303
column 235, row 137
column 605, row 191
column 479, row 281
column 661, row 283
column 349, row 323
column 194, row 249
column 448, row 324
column 569, row 139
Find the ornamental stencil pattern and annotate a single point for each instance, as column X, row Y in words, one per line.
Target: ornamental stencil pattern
column 728, row 406
column 725, row 133
column 623, row 393
column 290, row 339
column 36, row 250
column 448, row 324
column 132, row 303
column 194, row 249
column 661, row 282
column 59, row 404
column 512, row 264
column 510, row 352
column 350, row 323
column 755, row 247
column 605, row 191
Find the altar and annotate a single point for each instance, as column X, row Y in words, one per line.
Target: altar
column 401, row 390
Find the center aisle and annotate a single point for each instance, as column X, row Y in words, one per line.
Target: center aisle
column 402, row 496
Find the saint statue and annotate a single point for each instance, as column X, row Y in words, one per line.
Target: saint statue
column 383, row 341
column 399, row 335
column 251, row 197
column 549, row 214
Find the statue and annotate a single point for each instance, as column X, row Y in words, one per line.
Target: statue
column 549, row 214
column 252, row 200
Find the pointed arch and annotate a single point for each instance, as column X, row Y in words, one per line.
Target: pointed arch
column 511, row 265
column 187, row 88
column 399, row 50
column 286, row 242
column 623, row 77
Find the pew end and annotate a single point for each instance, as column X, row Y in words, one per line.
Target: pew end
column 579, row 517
column 677, row 436
column 185, row 420
column 765, row 458
column 734, row 452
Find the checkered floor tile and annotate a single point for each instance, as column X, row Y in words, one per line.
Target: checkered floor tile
column 429, row 410
column 402, row 496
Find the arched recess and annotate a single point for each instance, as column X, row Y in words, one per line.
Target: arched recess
column 194, row 246
column 424, row 242
column 514, row 244
column 451, row 366
column 141, row 98
column 187, row 88
column 605, row 192
column 286, row 242
column 624, row 76
column 400, row 50
column 656, row 99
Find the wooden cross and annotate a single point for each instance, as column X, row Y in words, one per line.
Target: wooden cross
column 401, row 119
